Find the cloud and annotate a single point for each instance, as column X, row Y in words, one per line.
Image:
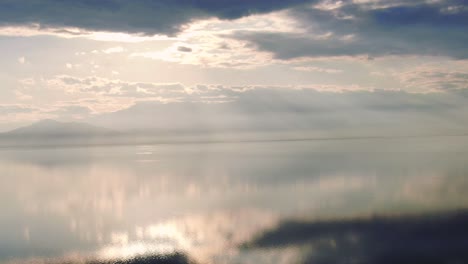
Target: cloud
column 319, row 109
column 96, row 87
column 316, row 69
column 212, row 52
column 117, row 49
column 116, row 88
column 436, row 238
column 22, row 60
column 29, row 30
column 184, row 49
column 71, row 112
column 370, row 29
column 213, row 46
column 16, row 109
column 434, row 78
column 147, row 17
column 322, row 113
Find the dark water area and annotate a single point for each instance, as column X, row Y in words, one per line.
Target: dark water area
column 346, row 201
column 437, row 238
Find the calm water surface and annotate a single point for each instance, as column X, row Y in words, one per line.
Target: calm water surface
column 208, row 199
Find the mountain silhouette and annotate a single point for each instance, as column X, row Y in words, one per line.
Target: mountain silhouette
column 52, row 128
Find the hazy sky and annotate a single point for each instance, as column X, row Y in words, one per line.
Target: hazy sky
column 349, row 63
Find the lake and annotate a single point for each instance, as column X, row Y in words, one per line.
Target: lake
column 208, row 200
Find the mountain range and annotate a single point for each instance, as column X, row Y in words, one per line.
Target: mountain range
column 52, row 128
column 54, row 133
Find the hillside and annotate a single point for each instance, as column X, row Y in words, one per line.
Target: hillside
column 52, row 128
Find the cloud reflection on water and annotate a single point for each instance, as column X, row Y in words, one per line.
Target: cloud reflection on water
column 434, row 238
column 207, row 199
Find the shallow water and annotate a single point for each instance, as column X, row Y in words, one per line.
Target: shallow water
column 207, row 200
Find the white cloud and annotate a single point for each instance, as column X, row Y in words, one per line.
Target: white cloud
column 316, row 69
column 321, row 108
column 111, row 50
column 22, row 60
column 212, row 46
column 72, row 33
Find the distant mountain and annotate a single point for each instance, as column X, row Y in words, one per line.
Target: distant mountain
column 52, row 128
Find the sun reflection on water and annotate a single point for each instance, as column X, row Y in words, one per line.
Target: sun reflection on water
column 159, row 239
column 203, row 237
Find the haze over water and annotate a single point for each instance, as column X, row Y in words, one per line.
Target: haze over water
column 207, row 200
column 233, row 131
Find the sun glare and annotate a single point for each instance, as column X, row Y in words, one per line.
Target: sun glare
column 159, row 239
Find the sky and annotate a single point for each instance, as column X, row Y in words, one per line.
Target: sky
column 349, row 67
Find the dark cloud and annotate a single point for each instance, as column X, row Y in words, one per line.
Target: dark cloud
column 140, row 16
column 184, row 49
column 433, row 29
column 437, row 238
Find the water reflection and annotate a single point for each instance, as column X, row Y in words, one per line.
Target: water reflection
column 436, row 238
column 207, row 199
